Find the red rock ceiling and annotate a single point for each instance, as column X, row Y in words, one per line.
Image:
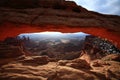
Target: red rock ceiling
column 10, row 29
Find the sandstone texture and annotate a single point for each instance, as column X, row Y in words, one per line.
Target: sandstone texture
column 54, row 12
column 17, row 66
column 18, row 16
column 40, row 69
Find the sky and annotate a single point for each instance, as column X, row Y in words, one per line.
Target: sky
column 101, row 6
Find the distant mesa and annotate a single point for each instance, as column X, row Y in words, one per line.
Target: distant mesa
column 54, row 44
column 66, row 45
column 51, row 34
column 58, row 45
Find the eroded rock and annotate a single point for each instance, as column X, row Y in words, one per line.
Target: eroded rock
column 112, row 57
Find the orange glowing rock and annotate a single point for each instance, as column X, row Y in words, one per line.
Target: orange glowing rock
column 11, row 29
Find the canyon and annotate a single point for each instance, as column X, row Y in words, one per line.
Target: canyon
column 29, row 16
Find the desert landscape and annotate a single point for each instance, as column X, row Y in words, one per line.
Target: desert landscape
column 94, row 56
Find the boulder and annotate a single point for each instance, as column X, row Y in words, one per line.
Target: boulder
column 112, row 57
column 35, row 60
column 63, row 62
column 99, row 63
column 79, row 64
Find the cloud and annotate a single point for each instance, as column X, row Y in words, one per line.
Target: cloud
column 102, row 6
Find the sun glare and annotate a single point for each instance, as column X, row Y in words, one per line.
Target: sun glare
column 50, row 33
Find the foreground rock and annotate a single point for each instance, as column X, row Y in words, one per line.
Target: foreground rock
column 112, row 57
column 110, row 69
column 9, row 52
column 76, row 63
column 41, row 68
column 35, row 60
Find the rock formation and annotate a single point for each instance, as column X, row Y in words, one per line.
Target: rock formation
column 96, row 48
column 21, row 16
column 45, row 14
column 112, row 57
column 41, row 68
column 10, row 51
column 34, row 15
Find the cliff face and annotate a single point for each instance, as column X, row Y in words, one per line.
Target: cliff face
column 56, row 12
column 100, row 45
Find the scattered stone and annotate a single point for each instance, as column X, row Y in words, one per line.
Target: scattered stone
column 63, row 62
column 36, row 60
column 79, row 64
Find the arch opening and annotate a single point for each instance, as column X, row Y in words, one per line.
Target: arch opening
column 63, row 45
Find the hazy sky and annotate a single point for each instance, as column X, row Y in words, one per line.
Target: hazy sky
column 102, row 6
